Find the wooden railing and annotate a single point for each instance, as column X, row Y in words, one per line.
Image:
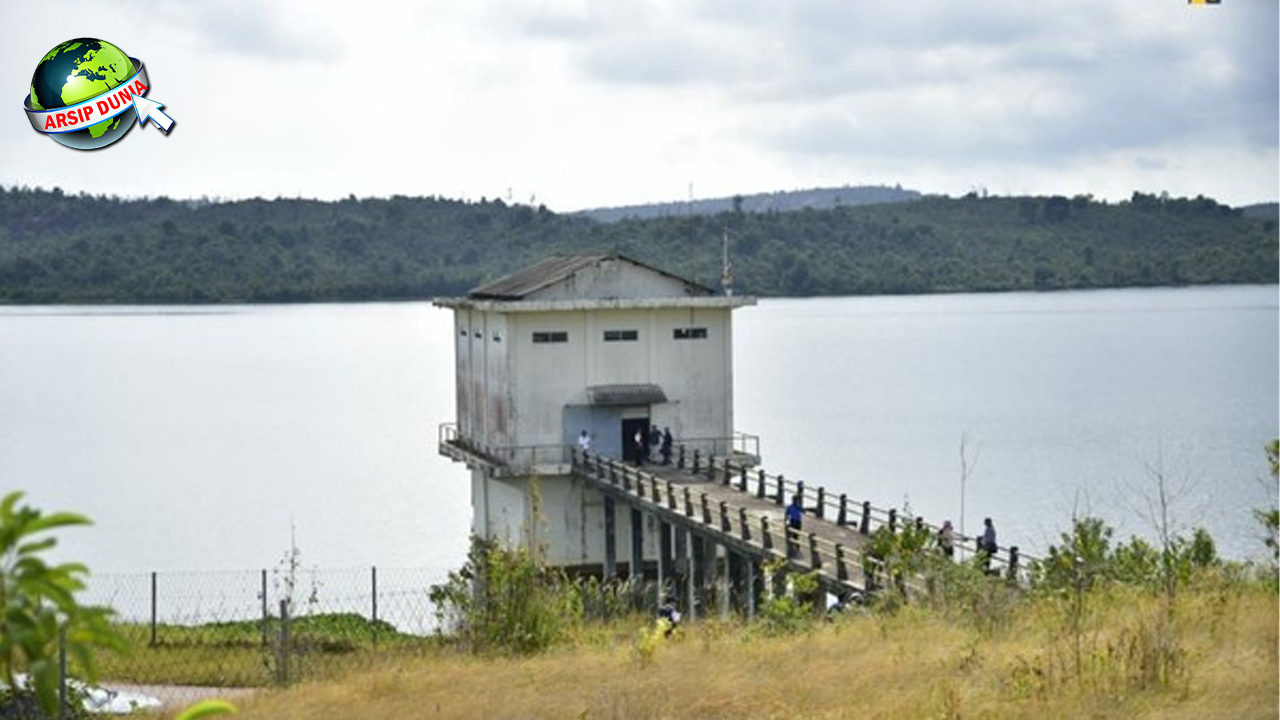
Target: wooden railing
column 841, row 566
column 1007, row 561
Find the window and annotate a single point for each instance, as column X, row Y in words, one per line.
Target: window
column 551, row 337
column 621, row 335
column 694, row 333
column 462, row 332
column 478, row 336
column 496, row 336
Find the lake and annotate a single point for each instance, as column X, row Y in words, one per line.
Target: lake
column 211, row 438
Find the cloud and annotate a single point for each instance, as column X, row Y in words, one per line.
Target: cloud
column 274, row 32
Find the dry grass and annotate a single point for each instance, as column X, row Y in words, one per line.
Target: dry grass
column 912, row 665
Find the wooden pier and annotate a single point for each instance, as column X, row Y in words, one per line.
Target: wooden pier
column 715, row 501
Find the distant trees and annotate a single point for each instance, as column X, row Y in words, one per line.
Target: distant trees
column 59, row 248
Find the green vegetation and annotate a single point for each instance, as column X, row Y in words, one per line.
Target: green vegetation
column 59, row 248
column 38, row 608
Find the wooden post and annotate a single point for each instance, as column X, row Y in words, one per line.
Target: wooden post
column 373, row 587
column 742, row 524
column 711, row 467
column 864, row 527
column 671, row 496
column 843, row 518
column 778, row 497
column 750, row 582
column 815, row 559
column 765, row 539
column 822, row 502
column 760, row 486
column 706, row 509
column 154, row 608
column 688, row 502
column 680, row 459
column 1013, row 562
column 742, row 480
column 697, row 460
column 893, row 520
column 610, row 539
column 842, row 572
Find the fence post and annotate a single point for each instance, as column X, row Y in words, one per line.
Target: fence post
column 697, row 459
column 822, row 502
column 742, row 480
column 842, row 572
column 282, row 656
column 374, row 582
column 815, row 559
column 843, row 518
column 725, row 525
column 765, row 538
column 266, row 614
column 680, row 459
column 778, row 496
column 742, row 522
column 864, row 528
column 893, row 519
column 760, row 487
column 706, row 510
column 153, row 609
column 62, row 672
column 688, row 502
column 1013, row 562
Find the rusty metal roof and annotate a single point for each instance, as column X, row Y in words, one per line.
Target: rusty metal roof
column 522, row 283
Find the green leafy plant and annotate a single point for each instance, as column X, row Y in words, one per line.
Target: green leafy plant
column 38, row 604
column 507, row 601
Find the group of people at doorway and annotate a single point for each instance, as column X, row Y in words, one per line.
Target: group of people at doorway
column 658, row 442
column 644, row 447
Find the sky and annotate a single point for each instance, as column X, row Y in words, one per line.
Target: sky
column 593, row 103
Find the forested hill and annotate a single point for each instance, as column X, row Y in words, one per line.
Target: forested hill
column 781, row 201
column 58, row 248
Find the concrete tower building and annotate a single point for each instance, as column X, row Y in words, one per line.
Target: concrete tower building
column 599, row 343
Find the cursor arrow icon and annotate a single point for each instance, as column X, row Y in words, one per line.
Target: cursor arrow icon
column 147, row 108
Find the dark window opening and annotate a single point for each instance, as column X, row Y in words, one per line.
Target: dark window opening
column 551, row 337
column 694, row 333
column 621, row 335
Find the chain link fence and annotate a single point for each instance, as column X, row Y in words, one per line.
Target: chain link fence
column 251, row 629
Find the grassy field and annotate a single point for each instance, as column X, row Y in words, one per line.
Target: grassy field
column 1119, row 654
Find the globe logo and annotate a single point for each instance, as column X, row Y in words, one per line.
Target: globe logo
column 85, row 94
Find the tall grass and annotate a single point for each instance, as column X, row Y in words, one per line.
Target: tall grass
column 1213, row 654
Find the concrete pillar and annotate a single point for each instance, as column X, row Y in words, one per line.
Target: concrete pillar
column 666, row 563
column 637, row 548
column 610, row 539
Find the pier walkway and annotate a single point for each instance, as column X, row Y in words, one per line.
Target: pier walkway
column 742, row 508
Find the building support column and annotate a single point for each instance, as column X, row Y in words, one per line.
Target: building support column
column 637, row 548
column 610, row 540
column 666, row 563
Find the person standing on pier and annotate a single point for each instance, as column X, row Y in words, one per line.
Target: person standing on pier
column 642, row 447
column 666, row 446
column 584, row 441
column 795, row 518
column 987, row 545
column 947, row 540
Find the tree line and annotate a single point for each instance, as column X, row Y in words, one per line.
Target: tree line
column 57, row 247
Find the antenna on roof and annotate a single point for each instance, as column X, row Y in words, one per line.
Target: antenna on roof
column 726, row 271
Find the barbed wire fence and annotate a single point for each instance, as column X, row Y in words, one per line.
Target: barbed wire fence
column 261, row 628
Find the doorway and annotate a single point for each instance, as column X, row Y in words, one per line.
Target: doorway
column 630, row 427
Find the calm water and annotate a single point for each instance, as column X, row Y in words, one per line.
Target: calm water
column 201, row 439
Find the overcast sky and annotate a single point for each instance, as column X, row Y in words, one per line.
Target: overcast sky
column 588, row 103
